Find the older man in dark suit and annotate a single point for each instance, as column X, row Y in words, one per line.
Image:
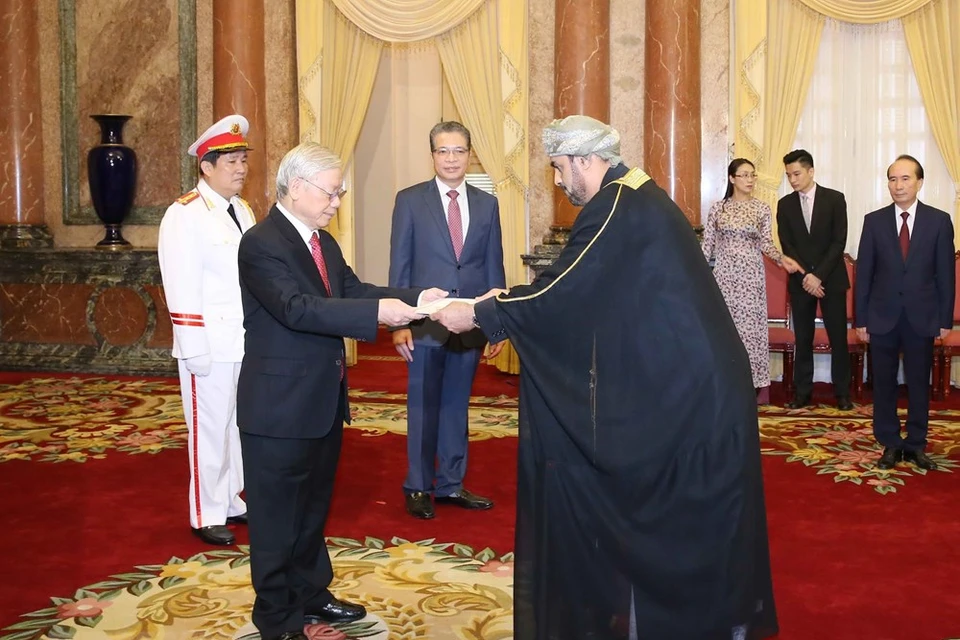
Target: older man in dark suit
column 446, row 233
column 904, row 296
column 812, row 225
column 300, row 299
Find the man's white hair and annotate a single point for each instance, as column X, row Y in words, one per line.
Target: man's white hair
column 303, row 161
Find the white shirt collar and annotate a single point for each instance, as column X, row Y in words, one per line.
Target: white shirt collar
column 811, row 194
column 912, row 210
column 305, row 232
column 461, row 189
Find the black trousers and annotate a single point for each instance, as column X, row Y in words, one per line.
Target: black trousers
column 885, row 352
column 289, row 484
column 833, row 307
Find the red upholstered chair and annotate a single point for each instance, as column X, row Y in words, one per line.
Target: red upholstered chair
column 821, row 343
column 945, row 349
column 781, row 337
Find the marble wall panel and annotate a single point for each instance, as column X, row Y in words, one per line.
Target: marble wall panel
column 626, row 77
column 45, row 313
column 715, row 101
column 280, row 59
column 672, row 102
column 540, row 26
column 120, row 316
column 21, row 145
column 83, row 310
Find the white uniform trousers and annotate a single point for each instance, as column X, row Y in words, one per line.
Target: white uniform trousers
column 216, row 467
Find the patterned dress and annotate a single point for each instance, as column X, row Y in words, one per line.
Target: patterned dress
column 736, row 235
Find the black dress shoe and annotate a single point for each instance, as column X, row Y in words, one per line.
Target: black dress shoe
column 240, row 519
column 335, row 611
column 217, row 534
column 465, row 499
column 419, row 505
column 844, row 404
column 289, row 635
column 890, row 458
column 920, row 460
column 798, row 403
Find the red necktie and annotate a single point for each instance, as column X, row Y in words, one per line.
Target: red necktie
column 455, row 222
column 317, row 253
column 318, row 259
column 904, row 236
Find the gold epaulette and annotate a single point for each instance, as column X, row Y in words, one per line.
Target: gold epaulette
column 634, row 179
column 188, row 197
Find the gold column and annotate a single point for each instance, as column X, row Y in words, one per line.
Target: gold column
column 21, row 139
column 582, row 84
column 239, row 85
column 671, row 113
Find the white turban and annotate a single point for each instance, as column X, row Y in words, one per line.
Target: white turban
column 582, row 136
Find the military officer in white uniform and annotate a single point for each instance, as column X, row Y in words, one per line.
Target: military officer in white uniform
column 199, row 237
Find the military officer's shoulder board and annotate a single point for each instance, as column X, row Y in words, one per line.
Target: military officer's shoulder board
column 188, row 197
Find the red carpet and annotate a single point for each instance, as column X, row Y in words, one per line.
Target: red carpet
column 849, row 563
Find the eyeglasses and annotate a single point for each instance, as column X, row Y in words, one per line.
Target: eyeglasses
column 445, row 152
column 749, row 176
column 339, row 193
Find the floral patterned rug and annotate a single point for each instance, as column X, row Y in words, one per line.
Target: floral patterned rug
column 75, row 419
column 412, row 590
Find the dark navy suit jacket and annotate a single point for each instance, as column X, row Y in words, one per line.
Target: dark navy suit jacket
column 923, row 285
column 421, row 252
column 289, row 383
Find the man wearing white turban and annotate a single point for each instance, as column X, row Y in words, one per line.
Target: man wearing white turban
column 640, row 510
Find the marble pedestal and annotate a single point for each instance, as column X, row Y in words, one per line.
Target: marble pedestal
column 84, row 311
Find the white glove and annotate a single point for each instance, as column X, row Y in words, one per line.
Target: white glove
column 199, row 365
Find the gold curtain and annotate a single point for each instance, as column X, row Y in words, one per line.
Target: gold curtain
column 407, row 20
column 750, row 48
column 793, row 38
column 933, row 38
column 514, row 77
column 866, row 11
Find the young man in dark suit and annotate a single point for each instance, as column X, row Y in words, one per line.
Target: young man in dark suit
column 446, row 233
column 300, row 299
column 905, row 295
column 812, row 225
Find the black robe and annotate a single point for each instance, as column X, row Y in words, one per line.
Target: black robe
column 639, row 484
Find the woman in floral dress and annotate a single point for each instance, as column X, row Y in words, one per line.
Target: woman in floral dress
column 737, row 234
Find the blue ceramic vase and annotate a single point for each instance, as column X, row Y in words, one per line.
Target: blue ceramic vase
column 112, row 172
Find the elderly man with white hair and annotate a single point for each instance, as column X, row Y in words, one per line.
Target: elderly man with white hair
column 640, row 509
column 300, row 299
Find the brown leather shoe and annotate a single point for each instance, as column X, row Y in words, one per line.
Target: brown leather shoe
column 419, row 505
column 465, row 499
column 216, row 534
column 920, row 460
